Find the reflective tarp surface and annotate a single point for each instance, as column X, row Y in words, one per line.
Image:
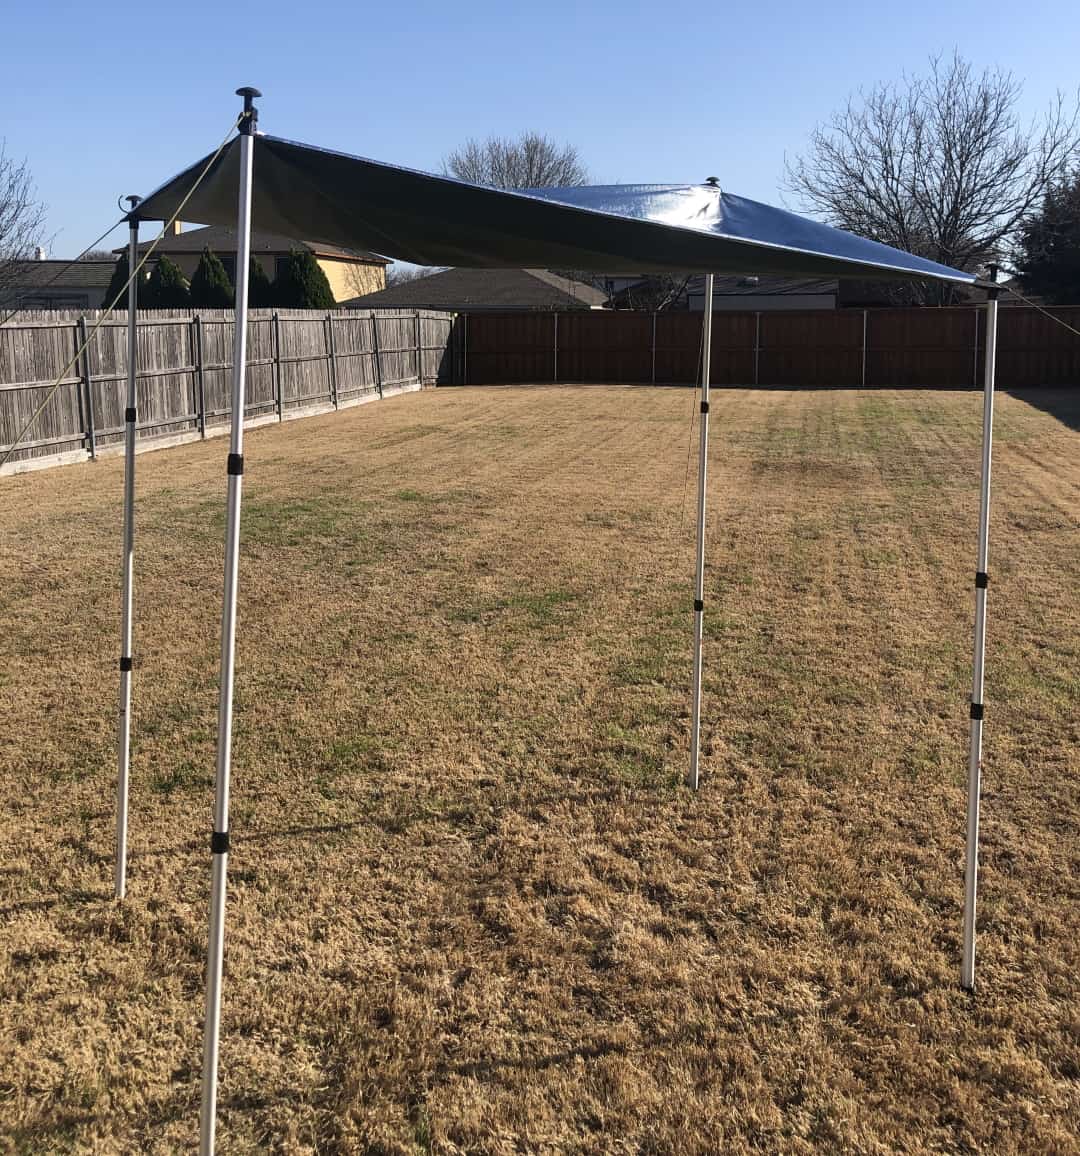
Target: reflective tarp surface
column 317, row 195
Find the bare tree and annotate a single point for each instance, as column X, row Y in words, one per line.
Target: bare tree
column 940, row 165
column 22, row 217
column 657, row 293
column 398, row 274
column 360, row 280
column 531, row 161
column 98, row 255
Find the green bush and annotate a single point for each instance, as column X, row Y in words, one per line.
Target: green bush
column 119, row 280
column 167, row 288
column 301, row 284
column 260, row 289
column 210, row 285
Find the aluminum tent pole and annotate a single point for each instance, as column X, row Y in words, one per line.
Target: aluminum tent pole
column 127, row 565
column 219, row 840
column 971, row 867
column 699, row 584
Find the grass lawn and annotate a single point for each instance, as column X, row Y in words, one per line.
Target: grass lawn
column 471, row 909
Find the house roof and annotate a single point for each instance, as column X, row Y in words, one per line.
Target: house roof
column 475, row 289
column 222, row 239
column 80, row 275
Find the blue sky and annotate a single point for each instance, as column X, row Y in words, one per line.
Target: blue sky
column 669, row 91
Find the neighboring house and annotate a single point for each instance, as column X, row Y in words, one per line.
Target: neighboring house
column 801, row 293
column 732, row 294
column 477, row 290
column 349, row 272
column 26, row 284
column 729, row 293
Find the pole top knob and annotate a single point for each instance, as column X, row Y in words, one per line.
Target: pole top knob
column 250, row 115
column 714, row 181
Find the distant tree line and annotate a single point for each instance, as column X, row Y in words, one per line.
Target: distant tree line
column 300, row 284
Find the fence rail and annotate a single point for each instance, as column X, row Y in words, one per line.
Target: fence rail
column 297, row 360
column 937, row 348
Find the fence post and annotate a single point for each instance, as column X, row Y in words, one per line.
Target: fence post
column 864, row 330
column 465, row 350
column 555, row 360
column 331, row 360
column 276, row 344
column 419, row 353
column 654, row 347
column 88, row 383
column 80, row 393
column 200, row 376
column 375, row 352
column 757, row 348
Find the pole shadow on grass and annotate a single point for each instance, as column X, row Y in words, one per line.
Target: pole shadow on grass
column 1062, row 403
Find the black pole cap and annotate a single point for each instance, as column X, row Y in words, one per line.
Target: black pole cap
column 133, row 202
column 250, row 115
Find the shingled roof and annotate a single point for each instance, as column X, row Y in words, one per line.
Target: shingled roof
column 80, row 275
column 223, row 240
column 57, row 283
column 462, row 290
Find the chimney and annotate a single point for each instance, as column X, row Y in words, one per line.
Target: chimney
column 176, row 228
column 41, row 254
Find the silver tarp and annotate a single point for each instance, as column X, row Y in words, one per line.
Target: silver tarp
column 317, row 195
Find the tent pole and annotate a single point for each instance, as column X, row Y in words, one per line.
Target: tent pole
column 699, row 582
column 127, row 565
column 971, row 866
column 219, row 841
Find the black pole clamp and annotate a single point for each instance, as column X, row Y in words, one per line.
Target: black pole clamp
column 982, row 579
column 236, row 465
column 977, row 711
column 219, row 843
column 699, row 606
column 704, row 407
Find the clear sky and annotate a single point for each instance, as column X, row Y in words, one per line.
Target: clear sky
column 101, row 104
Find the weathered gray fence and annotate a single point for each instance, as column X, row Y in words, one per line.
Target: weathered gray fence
column 297, row 360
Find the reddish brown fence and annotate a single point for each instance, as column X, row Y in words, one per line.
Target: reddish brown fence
column 853, row 347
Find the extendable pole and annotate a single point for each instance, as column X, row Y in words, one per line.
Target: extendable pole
column 127, row 565
column 971, row 867
column 219, row 840
column 699, row 583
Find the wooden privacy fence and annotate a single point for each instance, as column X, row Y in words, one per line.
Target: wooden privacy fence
column 297, row 360
column 940, row 348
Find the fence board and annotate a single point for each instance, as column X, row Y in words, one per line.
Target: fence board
column 184, row 370
column 904, row 347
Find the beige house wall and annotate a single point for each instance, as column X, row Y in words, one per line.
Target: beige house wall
column 349, row 279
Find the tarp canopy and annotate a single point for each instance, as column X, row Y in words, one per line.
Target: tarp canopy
column 317, row 195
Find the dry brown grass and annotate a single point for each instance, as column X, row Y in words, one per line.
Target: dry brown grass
column 471, row 909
